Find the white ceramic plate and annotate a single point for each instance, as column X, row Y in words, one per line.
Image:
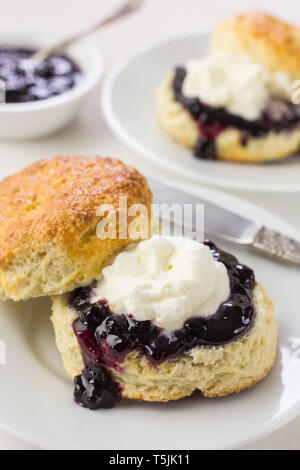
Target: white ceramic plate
column 36, row 395
column 128, row 101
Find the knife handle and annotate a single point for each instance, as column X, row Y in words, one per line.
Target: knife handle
column 277, row 246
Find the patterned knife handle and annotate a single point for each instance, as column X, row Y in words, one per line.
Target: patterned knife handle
column 276, row 245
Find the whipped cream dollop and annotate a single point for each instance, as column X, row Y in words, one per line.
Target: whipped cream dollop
column 166, row 280
column 235, row 82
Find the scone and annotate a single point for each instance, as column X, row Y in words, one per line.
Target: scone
column 49, row 218
column 268, row 40
column 232, row 105
column 169, row 316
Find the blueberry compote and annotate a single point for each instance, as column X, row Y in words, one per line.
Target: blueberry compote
column 279, row 115
column 56, row 75
column 105, row 337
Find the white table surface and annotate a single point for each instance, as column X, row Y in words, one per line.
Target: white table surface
column 89, row 134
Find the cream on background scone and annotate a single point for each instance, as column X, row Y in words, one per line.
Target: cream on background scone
column 48, row 215
column 167, row 317
column 236, row 104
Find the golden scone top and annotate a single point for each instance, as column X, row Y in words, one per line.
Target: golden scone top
column 48, row 240
column 262, row 24
column 267, row 39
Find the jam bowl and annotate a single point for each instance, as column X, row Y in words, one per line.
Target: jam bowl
column 37, row 114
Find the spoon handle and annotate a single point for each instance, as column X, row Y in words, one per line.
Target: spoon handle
column 124, row 10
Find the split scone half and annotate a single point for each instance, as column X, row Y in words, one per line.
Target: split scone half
column 49, row 216
column 167, row 317
column 236, row 104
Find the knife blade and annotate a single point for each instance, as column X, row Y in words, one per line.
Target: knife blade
column 227, row 224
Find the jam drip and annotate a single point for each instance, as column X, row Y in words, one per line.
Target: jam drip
column 279, row 115
column 95, row 389
column 55, row 75
column 105, row 338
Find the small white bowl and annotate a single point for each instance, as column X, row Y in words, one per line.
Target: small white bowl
column 37, row 118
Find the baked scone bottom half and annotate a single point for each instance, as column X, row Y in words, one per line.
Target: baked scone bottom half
column 211, row 356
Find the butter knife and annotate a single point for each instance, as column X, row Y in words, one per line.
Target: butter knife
column 229, row 225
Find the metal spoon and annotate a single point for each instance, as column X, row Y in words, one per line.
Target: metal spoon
column 42, row 54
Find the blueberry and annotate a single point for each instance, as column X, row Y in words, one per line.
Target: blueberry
column 196, row 328
column 80, row 297
column 93, row 314
column 205, row 148
column 117, row 333
column 246, row 276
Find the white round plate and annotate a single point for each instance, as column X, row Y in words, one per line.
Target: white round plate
column 36, row 395
column 128, row 101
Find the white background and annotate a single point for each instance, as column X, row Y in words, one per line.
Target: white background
column 90, row 135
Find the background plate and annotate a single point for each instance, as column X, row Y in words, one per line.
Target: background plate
column 128, row 101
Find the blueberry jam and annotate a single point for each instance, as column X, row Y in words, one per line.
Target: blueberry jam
column 105, row 338
column 95, row 389
column 56, row 75
column 279, row 115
